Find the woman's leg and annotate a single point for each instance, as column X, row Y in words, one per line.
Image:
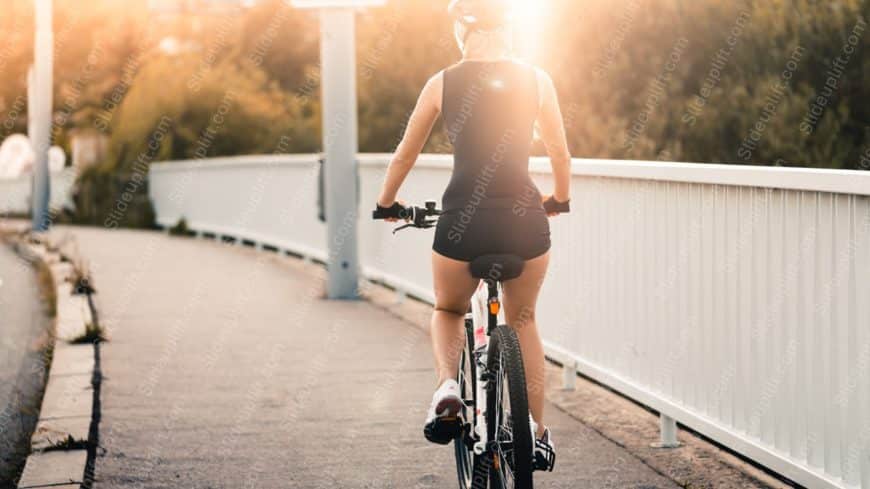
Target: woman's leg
column 520, row 300
column 454, row 287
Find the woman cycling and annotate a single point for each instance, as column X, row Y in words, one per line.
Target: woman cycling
column 490, row 104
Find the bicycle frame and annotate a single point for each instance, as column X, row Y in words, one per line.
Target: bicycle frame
column 484, row 315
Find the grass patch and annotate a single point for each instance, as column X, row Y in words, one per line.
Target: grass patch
column 82, row 282
column 69, row 443
column 35, row 239
column 46, row 288
column 181, row 229
column 93, row 334
column 81, row 279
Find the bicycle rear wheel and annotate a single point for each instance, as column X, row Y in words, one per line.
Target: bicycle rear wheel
column 507, row 413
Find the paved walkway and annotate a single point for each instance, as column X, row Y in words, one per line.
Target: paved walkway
column 226, row 368
column 24, row 328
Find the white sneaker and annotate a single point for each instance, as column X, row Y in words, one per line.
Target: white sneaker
column 544, row 451
column 444, row 420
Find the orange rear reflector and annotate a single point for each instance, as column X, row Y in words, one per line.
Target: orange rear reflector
column 493, row 307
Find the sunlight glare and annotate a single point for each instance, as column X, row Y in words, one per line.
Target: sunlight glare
column 529, row 17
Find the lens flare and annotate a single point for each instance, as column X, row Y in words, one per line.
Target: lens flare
column 528, row 21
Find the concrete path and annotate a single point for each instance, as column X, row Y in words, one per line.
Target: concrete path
column 226, row 368
column 24, row 328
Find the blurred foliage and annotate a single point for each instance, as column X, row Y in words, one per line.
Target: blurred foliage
column 606, row 106
column 240, row 82
column 400, row 48
column 112, row 200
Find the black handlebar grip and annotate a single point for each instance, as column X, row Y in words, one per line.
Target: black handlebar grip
column 552, row 205
column 394, row 211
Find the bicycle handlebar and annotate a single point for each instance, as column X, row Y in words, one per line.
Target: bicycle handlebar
column 416, row 216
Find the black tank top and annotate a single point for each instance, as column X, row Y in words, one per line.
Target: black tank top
column 489, row 110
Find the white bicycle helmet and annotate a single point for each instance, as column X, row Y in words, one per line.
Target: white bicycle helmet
column 478, row 16
column 481, row 14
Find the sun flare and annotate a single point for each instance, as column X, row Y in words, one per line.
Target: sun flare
column 529, row 17
column 527, row 8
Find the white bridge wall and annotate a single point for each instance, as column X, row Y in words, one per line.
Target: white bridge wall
column 733, row 299
column 15, row 193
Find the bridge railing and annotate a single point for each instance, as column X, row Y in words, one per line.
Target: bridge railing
column 15, row 193
column 732, row 299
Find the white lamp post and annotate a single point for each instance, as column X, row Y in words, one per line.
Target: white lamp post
column 338, row 79
column 40, row 94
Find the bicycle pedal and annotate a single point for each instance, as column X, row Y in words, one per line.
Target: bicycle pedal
column 444, row 430
column 544, row 461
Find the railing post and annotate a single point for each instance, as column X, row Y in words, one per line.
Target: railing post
column 668, row 432
column 569, row 375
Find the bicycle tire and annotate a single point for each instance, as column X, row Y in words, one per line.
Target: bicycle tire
column 505, row 364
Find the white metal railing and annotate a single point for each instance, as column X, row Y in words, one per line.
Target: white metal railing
column 15, row 193
column 733, row 299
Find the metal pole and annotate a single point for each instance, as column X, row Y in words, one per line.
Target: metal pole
column 41, row 92
column 338, row 70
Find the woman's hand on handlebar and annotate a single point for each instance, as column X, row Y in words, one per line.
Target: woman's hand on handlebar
column 554, row 207
column 381, row 206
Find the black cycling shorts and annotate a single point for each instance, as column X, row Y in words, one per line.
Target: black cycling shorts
column 464, row 235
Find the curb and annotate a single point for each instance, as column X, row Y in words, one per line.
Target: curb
column 59, row 444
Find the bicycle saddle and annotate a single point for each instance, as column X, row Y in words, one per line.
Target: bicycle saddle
column 497, row 267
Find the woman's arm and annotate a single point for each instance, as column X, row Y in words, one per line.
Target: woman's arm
column 552, row 130
column 419, row 126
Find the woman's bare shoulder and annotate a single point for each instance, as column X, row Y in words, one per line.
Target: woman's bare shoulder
column 437, row 80
column 434, row 89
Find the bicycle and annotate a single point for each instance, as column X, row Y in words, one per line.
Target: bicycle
column 492, row 451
